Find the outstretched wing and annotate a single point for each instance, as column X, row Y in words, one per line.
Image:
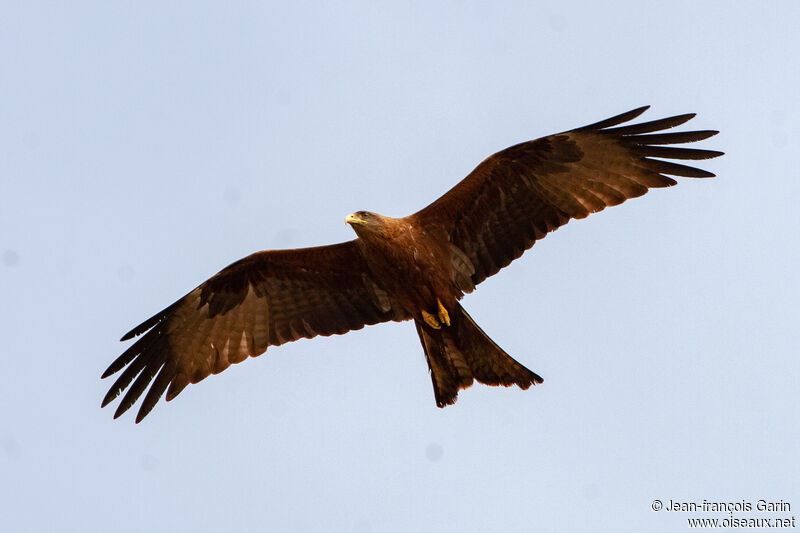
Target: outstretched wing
column 265, row 299
column 519, row 194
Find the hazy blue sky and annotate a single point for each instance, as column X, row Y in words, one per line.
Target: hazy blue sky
column 144, row 146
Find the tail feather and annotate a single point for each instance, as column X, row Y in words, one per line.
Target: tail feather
column 462, row 352
column 450, row 371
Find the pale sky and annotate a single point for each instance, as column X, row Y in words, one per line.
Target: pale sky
column 145, row 146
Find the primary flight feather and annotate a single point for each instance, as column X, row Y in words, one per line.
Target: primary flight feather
column 417, row 267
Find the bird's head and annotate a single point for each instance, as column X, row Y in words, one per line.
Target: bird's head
column 365, row 222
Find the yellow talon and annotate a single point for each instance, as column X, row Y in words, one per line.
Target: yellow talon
column 431, row 320
column 444, row 317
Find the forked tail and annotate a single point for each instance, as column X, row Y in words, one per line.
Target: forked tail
column 462, row 352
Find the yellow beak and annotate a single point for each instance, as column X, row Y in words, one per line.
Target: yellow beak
column 353, row 219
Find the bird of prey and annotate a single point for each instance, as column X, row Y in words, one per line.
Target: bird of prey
column 413, row 268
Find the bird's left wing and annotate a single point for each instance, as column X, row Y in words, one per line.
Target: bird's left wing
column 266, row 299
column 518, row 195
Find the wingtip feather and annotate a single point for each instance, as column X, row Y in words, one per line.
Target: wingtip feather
column 109, row 397
column 617, row 119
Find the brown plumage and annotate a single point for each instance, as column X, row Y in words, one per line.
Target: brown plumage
column 417, row 267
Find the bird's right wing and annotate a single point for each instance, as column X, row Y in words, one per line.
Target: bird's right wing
column 266, row 299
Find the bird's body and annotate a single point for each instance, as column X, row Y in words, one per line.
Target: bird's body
column 417, row 267
column 407, row 258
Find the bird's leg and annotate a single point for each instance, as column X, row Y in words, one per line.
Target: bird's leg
column 444, row 317
column 431, row 320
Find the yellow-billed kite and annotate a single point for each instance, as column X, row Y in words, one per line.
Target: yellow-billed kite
column 417, row 267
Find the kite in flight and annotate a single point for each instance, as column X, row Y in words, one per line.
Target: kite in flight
column 413, row 268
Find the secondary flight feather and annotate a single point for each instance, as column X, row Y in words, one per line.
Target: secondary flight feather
column 413, row 268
